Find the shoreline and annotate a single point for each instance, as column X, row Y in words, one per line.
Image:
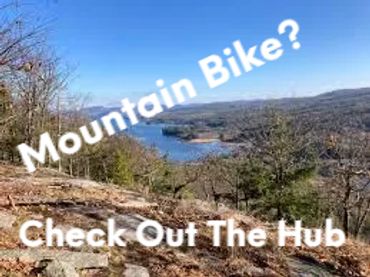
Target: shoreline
column 204, row 140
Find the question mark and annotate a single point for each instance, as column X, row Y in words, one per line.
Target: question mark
column 293, row 34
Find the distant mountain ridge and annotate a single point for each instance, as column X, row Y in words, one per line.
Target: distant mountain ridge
column 349, row 99
column 345, row 100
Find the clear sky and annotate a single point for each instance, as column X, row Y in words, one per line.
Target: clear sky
column 121, row 47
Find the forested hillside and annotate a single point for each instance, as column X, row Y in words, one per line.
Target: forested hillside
column 220, row 118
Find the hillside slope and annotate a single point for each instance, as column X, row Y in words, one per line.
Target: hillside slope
column 349, row 99
column 86, row 204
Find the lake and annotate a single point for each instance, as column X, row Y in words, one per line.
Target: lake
column 176, row 149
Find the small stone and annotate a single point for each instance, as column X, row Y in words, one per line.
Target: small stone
column 135, row 271
column 26, row 260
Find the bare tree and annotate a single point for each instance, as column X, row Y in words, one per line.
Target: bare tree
column 350, row 170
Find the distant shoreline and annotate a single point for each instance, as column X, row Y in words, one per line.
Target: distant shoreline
column 203, row 140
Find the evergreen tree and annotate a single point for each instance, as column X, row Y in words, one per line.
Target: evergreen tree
column 122, row 173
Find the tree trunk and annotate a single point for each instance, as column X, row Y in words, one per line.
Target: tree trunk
column 346, row 206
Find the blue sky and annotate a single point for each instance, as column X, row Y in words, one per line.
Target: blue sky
column 121, row 47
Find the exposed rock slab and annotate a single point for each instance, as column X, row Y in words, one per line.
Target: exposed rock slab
column 77, row 260
column 59, row 269
column 130, row 222
column 136, row 204
column 303, row 268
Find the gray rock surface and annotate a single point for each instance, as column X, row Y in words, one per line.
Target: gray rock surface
column 77, row 260
column 59, row 269
column 130, row 222
column 303, row 268
column 135, row 271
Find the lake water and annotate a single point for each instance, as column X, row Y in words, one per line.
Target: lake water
column 176, row 149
